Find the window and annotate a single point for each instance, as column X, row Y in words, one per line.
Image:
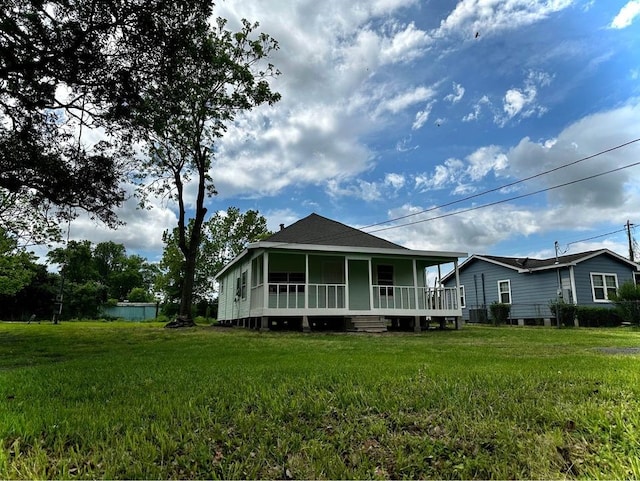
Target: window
column 504, row 291
column 385, row 278
column 282, row 278
column 463, row 300
column 243, row 286
column 221, row 282
column 256, row 271
column 603, row 286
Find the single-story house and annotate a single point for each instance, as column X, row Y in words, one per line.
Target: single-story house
column 318, row 273
column 530, row 285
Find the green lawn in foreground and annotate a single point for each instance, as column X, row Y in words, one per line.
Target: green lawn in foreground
column 117, row 400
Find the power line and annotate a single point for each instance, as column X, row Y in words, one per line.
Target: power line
column 502, row 201
column 495, row 189
column 596, row 236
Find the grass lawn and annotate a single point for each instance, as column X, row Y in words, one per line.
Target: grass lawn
column 125, row 400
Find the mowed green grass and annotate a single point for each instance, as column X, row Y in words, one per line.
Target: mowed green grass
column 117, row 400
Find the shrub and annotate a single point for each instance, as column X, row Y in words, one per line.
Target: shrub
column 627, row 301
column 598, row 317
column 499, row 312
column 564, row 313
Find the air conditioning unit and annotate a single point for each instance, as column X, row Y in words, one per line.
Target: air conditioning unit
column 478, row 315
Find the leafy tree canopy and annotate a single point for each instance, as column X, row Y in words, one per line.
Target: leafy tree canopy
column 224, row 236
column 17, row 267
column 208, row 75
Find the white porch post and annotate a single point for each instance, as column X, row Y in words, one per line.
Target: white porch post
column 458, row 318
column 265, row 280
column 346, row 282
column 416, row 325
column 306, row 281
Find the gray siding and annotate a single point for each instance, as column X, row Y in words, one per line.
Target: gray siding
column 532, row 292
column 603, row 265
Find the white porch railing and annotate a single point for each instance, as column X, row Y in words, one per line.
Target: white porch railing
column 404, row 298
column 333, row 296
column 327, row 296
column 394, row 297
column 286, row 296
column 441, row 298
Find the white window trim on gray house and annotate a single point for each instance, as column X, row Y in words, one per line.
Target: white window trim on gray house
column 603, row 286
column 508, row 292
column 463, row 299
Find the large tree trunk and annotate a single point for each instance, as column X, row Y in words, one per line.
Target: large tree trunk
column 184, row 317
column 190, row 248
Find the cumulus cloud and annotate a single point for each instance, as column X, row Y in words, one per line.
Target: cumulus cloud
column 626, row 15
column 583, row 138
column 404, row 45
column 396, row 181
column 329, row 54
column 613, row 197
column 141, row 234
column 523, row 101
column 360, row 189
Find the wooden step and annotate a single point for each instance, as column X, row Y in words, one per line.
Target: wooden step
column 367, row 324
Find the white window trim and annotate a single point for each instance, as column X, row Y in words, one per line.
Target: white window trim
column 463, row 298
column 508, row 281
column 604, row 285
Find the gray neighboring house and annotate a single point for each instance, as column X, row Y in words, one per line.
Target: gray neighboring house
column 529, row 285
column 320, row 274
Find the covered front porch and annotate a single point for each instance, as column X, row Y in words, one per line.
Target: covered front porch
column 312, row 285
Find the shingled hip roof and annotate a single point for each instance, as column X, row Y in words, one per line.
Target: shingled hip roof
column 317, row 230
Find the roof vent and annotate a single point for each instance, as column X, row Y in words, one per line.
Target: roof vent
column 281, row 226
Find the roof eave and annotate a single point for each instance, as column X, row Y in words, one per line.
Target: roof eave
column 356, row 250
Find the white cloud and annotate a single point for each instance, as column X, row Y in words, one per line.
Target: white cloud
column 422, row 116
column 141, row 234
column 612, row 197
column 396, row 181
column 523, row 101
column 492, row 16
column 405, row 45
column 403, row 145
column 443, row 176
column 583, row 138
column 477, row 108
column 626, row 15
column 485, row 160
column 456, row 96
column 360, row 189
column 406, row 99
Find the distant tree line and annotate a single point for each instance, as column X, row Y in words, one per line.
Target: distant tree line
column 90, row 276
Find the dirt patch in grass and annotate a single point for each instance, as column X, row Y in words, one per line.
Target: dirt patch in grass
column 620, row 350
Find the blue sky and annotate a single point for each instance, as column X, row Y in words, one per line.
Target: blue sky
column 393, row 107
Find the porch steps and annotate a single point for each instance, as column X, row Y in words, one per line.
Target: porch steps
column 367, row 324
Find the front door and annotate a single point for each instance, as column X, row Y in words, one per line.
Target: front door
column 359, row 285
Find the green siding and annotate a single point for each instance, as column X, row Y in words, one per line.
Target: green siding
column 359, row 293
column 402, row 270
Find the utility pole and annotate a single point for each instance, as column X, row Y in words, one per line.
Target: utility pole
column 559, row 291
column 630, row 241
